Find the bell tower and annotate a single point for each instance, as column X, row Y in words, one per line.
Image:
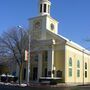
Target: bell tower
column 44, row 7
column 43, row 22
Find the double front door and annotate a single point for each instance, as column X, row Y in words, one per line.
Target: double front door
column 35, row 72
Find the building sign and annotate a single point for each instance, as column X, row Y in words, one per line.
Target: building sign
column 26, row 55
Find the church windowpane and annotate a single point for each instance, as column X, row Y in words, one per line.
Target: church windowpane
column 78, row 73
column 70, row 67
column 70, row 72
column 70, row 61
column 78, row 64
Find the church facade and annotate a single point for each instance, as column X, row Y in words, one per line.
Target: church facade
column 53, row 55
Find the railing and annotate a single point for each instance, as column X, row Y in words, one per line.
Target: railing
column 49, row 80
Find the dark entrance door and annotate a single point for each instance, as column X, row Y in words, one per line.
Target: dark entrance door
column 45, row 72
column 24, row 74
column 35, row 71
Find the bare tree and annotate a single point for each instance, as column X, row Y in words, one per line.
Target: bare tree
column 12, row 46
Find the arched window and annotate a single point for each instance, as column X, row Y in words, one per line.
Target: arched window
column 70, row 61
column 78, row 64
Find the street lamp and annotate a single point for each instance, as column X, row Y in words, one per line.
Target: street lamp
column 28, row 64
column 20, row 57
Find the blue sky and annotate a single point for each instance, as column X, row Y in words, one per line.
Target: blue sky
column 73, row 17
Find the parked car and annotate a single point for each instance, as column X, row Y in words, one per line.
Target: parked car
column 8, row 78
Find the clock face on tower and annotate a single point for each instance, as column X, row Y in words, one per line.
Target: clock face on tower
column 37, row 24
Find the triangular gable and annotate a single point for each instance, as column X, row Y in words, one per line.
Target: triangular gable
column 60, row 38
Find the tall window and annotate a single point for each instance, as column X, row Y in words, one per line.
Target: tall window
column 78, row 68
column 70, row 67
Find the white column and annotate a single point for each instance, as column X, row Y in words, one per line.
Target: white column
column 50, row 64
column 39, row 65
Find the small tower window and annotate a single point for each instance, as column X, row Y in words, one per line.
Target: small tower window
column 48, row 9
column 40, row 8
column 44, row 7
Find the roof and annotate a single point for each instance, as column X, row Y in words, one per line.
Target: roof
column 69, row 42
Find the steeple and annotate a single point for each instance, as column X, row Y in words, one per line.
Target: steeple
column 44, row 7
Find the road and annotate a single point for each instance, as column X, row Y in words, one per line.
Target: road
column 6, row 87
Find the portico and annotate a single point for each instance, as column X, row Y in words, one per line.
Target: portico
column 45, row 53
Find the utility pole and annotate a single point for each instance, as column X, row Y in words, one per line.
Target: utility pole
column 28, row 69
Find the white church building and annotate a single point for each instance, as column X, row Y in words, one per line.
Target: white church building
column 53, row 55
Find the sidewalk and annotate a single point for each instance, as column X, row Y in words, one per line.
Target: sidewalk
column 35, row 84
column 13, row 84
